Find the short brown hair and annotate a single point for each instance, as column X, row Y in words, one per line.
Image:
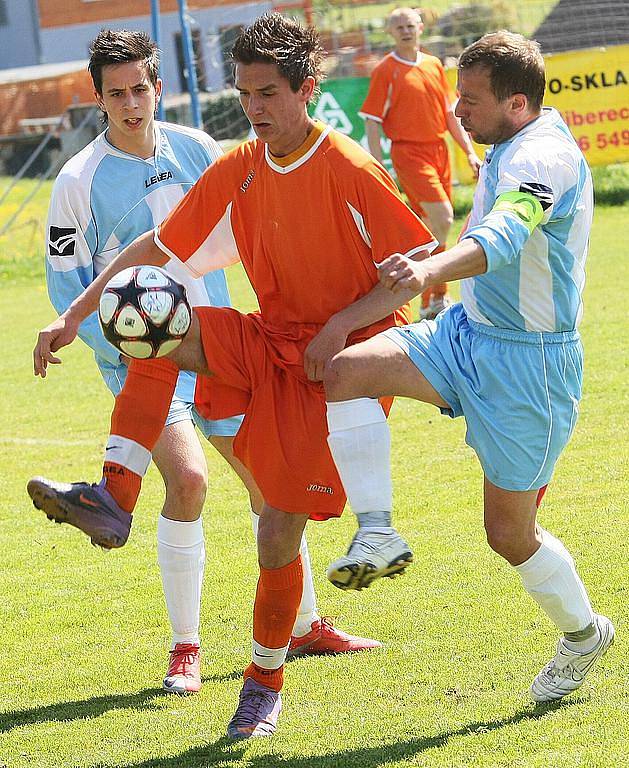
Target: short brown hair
column 515, row 65
column 294, row 48
column 120, row 46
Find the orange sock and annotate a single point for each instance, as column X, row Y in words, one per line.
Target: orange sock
column 139, row 414
column 274, row 613
column 123, row 484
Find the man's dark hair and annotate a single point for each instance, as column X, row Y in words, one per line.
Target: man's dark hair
column 273, row 39
column 120, row 46
column 515, row 65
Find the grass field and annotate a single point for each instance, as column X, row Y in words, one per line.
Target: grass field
column 85, row 634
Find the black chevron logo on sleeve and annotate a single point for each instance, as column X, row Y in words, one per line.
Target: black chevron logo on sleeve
column 62, row 241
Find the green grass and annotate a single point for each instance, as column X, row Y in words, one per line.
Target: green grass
column 85, row 633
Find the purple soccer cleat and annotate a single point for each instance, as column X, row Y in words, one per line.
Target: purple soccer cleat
column 90, row 508
column 257, row 712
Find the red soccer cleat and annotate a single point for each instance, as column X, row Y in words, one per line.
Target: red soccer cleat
column 184, row 670
column 324, row 638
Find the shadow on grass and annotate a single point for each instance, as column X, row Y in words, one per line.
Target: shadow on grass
column 225, row 751
column 73, row 710
column 235, row 675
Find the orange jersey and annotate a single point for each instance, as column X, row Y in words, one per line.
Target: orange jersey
column 308, row 229
column 409, row 99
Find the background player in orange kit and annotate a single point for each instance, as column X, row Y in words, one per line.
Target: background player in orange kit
column 410, row 99
column 309, row 214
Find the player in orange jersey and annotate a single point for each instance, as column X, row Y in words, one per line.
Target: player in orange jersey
column 410, row 100
column 309, row 214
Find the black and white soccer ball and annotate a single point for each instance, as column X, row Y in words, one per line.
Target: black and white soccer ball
column 144, row 312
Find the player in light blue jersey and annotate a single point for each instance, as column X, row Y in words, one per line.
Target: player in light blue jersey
column 121, row 185
column 508, row 358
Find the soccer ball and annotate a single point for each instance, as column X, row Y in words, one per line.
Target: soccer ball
column 144, row 312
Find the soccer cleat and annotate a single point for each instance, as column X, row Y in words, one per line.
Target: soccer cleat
column 370, row 556
column 566, row 672
column 436, row 305
column 90, row 508
column 324, row 638
column 184, row 671
column 257, row 712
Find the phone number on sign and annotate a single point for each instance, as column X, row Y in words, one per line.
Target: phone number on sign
column 604, row 140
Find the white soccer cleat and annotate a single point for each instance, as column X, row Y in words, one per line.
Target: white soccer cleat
column 566, row 672
column 370, row 556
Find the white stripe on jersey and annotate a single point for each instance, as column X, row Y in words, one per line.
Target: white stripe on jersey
column 536, row 284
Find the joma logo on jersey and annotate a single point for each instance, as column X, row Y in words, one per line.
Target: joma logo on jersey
column 62, row 241
column 247, row 182
column 156, row 179
column 316, row 488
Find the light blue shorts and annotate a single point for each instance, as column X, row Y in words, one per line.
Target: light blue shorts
column 182, row 407
column 519, row 391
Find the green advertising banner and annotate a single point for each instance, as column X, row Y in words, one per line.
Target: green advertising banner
column 338, row 106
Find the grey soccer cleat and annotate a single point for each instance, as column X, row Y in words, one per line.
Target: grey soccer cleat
column 257, row 712
column 566, row 672
column 370, row 556
column 90, row 508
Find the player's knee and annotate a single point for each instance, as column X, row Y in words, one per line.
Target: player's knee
column 499, row 540
column 509, row 543
column 275, row 545
column 188, row 487
column 339, row 378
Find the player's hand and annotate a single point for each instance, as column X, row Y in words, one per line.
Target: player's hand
column 328, row 342
column 58, row 334
column 475, row 163
column 399, row 273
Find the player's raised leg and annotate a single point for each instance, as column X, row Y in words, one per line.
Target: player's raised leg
column 359, row 440
column 275, row 609
column 550, row 577
column 103, row 511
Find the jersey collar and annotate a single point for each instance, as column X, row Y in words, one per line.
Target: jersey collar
column 157, row 137
column 416, row 63
column 548, row 116
column 302, row 154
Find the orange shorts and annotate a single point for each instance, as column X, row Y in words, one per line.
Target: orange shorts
column 283, row 438
column 423, row 171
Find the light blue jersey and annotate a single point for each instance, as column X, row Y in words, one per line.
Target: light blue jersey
column 103, row 199
column 534, row 279
column 509, row 358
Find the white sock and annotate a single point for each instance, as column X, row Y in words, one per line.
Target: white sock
column 181, row 557
column 307, row 612
column 360, row 443
column 551, row 579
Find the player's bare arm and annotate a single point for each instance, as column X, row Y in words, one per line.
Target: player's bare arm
column 64, row 329
column 402, row 275
column 332, row 338
column 459, row 134
column 373, row 132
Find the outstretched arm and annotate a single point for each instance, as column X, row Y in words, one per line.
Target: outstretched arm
column 64, row 329
column 373, row 306
column 401, row 279
column 400, row 275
